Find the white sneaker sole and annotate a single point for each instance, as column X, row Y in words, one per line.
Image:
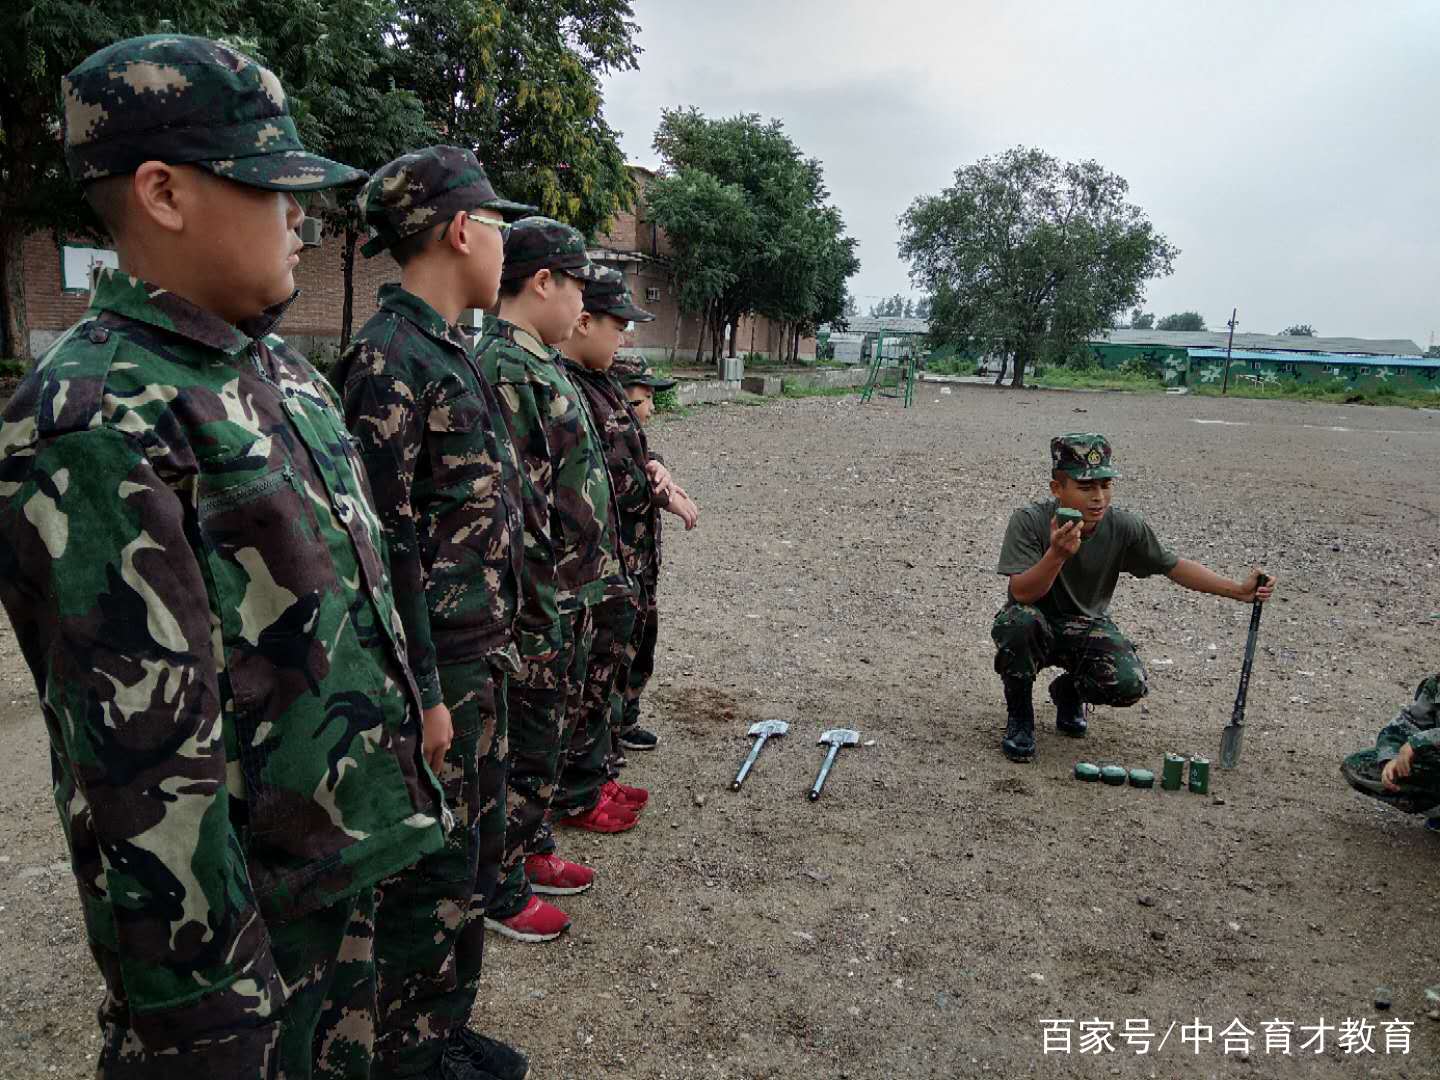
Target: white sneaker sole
column 518, row 935
column 642, row 747
column 559, row 890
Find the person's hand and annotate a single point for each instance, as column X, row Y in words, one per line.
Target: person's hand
column 661, row 482
column 1064, row 539
column 1398, row 768
column 436, row 733
column 684, row 507
column 1252, row 590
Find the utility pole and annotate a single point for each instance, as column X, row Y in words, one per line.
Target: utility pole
column 1225, row 386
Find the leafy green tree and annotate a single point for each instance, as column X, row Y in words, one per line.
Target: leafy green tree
column 1182, row 320
column 1141, row 320
column 785, row 257
column 922, row 308
column 518, row 81
column 1300, row 330
column 1027, row 256
column 338, row 65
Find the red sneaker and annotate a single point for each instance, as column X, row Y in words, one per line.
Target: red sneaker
column 633, row 797
column 553, row 875
column 606, row 816
column 537, row 921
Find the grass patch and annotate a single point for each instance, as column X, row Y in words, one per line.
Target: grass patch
column 954, row 365
column 1335, row 392
column 791, row 389
column 1063, row 378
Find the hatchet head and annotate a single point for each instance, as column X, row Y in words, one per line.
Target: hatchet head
column 839, row 737
column 769, row 727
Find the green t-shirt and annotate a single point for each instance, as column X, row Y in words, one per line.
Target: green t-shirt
column 1123, row 541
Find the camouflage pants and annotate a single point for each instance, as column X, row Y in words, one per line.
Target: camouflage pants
column 587, row 725
column 431, row 926
column 636, row 672
column 1102, row 662
column 552, row 671
column 326, row 1026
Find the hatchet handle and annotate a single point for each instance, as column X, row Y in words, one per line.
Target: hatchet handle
column 749, row 761
column 824, row 771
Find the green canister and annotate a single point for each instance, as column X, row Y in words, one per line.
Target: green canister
column 1173, row 774
column 1199, row 775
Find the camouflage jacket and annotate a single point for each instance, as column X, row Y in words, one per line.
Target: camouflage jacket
column 571, row 553
column 637, row 509
column 445, row 481
column 195, row 576
column 1417, row 723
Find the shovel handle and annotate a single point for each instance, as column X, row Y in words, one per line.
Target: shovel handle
column 1238, row 715
column 749, row 762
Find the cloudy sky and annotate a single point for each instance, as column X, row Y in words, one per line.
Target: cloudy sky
column 1291, row 150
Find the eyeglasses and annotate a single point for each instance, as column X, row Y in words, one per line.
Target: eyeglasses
column 502, row 226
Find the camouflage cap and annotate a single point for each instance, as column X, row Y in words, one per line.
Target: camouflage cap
column 607, row 295
column 187, row 101
column 1084, row 455
column 541, row 243
column 633, row 371
column 420, row 189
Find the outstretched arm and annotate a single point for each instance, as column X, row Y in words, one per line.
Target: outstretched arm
column 1197, row 578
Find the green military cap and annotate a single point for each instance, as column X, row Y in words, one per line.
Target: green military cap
column 541, row 243
column 417, row 190
column 1084, row 455
column 633, row 371
column 607, row 295
column 187, row 101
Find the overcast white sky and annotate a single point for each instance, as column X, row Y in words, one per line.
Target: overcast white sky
column 1290, row 149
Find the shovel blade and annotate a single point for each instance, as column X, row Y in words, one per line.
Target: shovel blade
column 1232, row 740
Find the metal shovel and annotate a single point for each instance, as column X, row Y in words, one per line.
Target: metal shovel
column 1232, row 739
column 835, row 738
column 765, row 728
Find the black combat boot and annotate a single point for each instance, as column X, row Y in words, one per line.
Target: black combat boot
column 1069, row 709
column 1019, row 741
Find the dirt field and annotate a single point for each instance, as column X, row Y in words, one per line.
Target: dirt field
column 937, row 903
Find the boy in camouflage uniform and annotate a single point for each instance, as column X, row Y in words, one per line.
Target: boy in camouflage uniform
column 1061, row 579
column 194, row 572
column 571, row 561
column 640, row 541
column 1403, row 768
column 589, row 354
column 448, row 493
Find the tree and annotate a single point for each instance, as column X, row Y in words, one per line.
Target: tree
column 1182, row 320
column 922, row 308
column 852, row 309
column 518, row 81
column 1141, row 320
column 338, row 67
column 1299, row 330
column 1027, row 257
column 786, row 256
column 909, row 312
column 1433, row 350
column 42, row 41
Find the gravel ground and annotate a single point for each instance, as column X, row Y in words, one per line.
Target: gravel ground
column 937, row 903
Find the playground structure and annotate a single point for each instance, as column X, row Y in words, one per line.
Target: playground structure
column 902, row 353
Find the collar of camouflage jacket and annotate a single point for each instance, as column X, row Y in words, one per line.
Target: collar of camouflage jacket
column 398, row 300
column 526, row 340
column 132, row 298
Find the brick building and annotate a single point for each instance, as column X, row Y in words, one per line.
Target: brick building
column 57, row 291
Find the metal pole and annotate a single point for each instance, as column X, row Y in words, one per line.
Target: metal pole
column 1225, row 386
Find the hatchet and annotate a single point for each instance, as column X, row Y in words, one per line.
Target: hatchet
column 764, row 729
column 835, row 738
